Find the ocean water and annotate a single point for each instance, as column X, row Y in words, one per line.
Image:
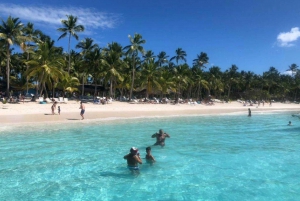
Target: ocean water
column 227, row 157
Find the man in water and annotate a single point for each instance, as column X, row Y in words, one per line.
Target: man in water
column 249, row 112
column 133, row 158
column 290, row 123
column 82, row 107
column 160, row 137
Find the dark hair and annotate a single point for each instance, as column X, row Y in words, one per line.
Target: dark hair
column 148, row 149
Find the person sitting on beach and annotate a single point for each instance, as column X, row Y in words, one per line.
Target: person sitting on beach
column 133, row 158
column 53, row 107
column 160, row 137
column 149, row 157
column 290, row 123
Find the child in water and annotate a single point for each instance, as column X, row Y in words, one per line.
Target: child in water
column 149, row 157
column 58, row 109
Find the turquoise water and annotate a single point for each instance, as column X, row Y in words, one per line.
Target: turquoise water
column 230, row 157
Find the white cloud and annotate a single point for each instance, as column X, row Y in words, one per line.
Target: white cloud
column 52, row 16
column 286, row 39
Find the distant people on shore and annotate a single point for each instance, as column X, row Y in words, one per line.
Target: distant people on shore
column 53, row 107
column 133, row 159
column 149, row 157
column 160, row 137
column 58, row 110
column 82, row 111
column 249, row 112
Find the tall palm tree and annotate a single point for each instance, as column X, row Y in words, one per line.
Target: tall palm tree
column 70, row 28
column 11, row 33
column 87, row 45
column 133, row 50
column 113, row 64
column 201, row 60
column 231, row 78
column 149, row 56
column 293, row 68
column 149, row 79
column 162, row 58
column 180, row 55
column 46, row 65
column 32, row 35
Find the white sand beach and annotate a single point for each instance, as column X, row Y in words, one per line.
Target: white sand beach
column 30, row 112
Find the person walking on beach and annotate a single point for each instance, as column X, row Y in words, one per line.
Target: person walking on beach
column 53, row 107
column 160, row 137
column 149, row 157
column 133, row 158
column 82, row 107
column 58, row 110
column 249, row 112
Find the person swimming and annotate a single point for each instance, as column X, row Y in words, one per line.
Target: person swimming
column 160, row 137
column 149, row 157
column 290, row 123
column 133, row 158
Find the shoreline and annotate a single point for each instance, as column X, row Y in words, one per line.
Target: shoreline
column 32, row 113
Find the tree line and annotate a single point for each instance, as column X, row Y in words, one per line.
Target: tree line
column 125, row 71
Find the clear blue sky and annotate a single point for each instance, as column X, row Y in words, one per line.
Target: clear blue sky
column 252, row 34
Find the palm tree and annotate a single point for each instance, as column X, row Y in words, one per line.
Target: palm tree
column 46, row 66
column 11, row 33
column 149, row 56
column 293, row 68
column 133, row 50
column 231, row 78
column 70, row 28
column 199, row 81
column 149, row 79
column 113, row 64
column 162, row 58
column 201, row 60
column 87, row 45
column 180, row 55
column 32, row 35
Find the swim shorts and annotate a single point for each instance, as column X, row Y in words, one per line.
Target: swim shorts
column 133, row 167
column 82, row 111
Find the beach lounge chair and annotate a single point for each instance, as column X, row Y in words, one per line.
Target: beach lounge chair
column 48, row 100
column 66, row 100
column 61, row 100
column 40, row 100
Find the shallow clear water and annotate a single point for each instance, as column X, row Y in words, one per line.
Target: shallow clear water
column 228, row 157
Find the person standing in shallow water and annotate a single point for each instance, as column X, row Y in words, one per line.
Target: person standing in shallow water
column 133, row 159
column 149, row 157
column 160, row 137
column 82, row 107
column 249, row 112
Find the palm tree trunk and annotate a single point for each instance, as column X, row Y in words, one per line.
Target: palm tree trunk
column 69, row 66
column 82, row 88
column 132, row 82
column 229, row 89
column 7, row 69
column 27, row 76
column 95, row 93
column 111, row 87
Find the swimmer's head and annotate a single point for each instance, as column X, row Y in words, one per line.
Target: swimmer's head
column 134, row 150
column 161, row 131
column 148, row 149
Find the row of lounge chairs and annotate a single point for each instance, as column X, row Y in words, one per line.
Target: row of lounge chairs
column 48, row 100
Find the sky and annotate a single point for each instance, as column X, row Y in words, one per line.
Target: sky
column 251, row 34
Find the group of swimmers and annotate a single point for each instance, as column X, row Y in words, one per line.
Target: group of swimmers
column 133, row 158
